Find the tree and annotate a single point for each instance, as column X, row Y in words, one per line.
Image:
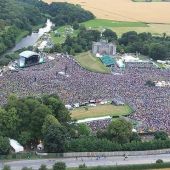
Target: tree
column 128, row 37
column 58, row 108
column 157, row 51
column 161, row 135
column 159, row 161
column 120, row 130
column 25, row 137
column 135, row 137
column 37, row 120
column 55, row 139
column 49, row 120
column 109, row 35
column 9, row 121
column 59, row 166
column 83, row 130
column 4, row 145
column 57, row 48
column 75, row 26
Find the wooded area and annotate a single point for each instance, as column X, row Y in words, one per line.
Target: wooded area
column 19, row 15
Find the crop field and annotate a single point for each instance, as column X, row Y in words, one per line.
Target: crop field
column 126, row 10
column 148, row 1
column 92, row 63
column 100, row 110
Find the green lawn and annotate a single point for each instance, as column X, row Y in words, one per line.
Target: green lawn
column 62, row 30
column 100, row 110
column 96, row 23
column 92, row 63
column 122, row 27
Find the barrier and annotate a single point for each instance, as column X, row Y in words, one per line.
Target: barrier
column 106, row 154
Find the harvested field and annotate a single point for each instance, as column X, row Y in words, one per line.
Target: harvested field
column 126, row 10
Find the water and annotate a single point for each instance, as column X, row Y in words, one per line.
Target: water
column 30, row 40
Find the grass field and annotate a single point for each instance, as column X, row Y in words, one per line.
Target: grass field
column 100, row 110
column 109, row 23
column 88, row 61
column 62, row 30
column 122, row 27
column 126, row 10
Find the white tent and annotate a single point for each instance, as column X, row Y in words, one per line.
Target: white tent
column 134, row 130
column 16, row 146
column 129, row 58
column 68, row 106
column 120, row 63
column 93, row 119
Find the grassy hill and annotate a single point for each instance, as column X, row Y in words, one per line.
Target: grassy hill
column 92, row 63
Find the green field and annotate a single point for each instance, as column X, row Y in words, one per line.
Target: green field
column 62, row 31
column 122, row 27
column 116, row 26
column 96, row 23
column 92, row 63
column 100, row 110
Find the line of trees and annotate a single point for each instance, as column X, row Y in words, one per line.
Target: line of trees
column 156, row 47
column 29, row 120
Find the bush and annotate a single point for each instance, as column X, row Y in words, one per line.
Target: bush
column 59, row 166
column 82, row 166
column 4, row 145
column 25, row 168
column 161, row 135
column 43, row 167
column 159, row 161
column 7, row 167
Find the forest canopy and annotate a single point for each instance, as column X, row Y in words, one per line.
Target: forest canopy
column 17, row 16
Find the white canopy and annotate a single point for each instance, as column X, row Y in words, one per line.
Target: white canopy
column 93, row 119
column 27, row 54
column 16, row 146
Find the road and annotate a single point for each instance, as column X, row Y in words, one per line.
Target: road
column 90, row 161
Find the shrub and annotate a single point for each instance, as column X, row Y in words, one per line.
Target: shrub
column 43, row 167
column 59, row 166
column 25, row 168
column 82, row 166
column 159, row 161
column 7, row 167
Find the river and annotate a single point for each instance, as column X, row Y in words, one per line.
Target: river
column 30, row 40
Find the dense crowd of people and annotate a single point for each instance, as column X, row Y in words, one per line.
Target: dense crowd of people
column 99, row 124
column 64, row 76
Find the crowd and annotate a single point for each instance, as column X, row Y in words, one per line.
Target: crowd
column 150, row 104
column 99, row 124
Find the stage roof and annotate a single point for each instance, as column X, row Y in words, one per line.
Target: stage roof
column 27, row 54
column 107, row 60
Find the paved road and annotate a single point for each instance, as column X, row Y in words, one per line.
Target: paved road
column 90, row 161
